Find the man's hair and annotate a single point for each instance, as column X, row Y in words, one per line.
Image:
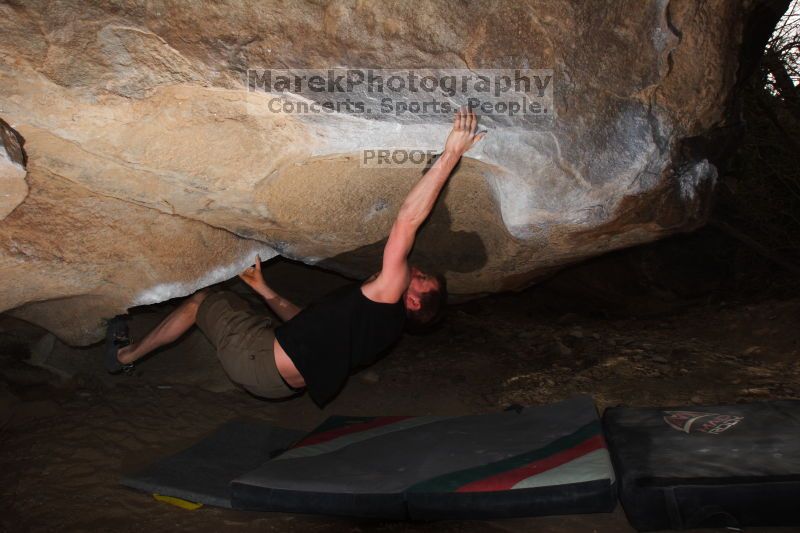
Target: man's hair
column 431, row 310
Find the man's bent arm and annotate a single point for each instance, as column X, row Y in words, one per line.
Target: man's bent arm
column 282, row 307
column 279, row 305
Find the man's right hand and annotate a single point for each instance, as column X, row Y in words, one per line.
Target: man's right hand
column 463, row 136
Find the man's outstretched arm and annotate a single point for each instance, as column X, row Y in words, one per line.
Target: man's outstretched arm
column 395, row 275
column 279, row 305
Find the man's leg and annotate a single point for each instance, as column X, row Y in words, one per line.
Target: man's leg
column 169, row 330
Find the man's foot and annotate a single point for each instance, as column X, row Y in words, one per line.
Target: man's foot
column 116, row 337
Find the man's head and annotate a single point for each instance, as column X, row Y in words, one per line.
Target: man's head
column 424, row 299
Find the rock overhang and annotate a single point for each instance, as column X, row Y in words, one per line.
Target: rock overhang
column 152, row 126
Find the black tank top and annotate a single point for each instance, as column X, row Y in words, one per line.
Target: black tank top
column 338, row 334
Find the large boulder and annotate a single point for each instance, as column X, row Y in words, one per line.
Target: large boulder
column 154, row 170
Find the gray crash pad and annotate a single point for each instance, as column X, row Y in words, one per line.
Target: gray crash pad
column 707, row 466
column 202, row 473
column 540, row 460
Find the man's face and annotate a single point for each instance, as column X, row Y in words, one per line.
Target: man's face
column 421, row 283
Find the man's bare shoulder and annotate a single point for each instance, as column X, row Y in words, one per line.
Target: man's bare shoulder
column 381, row 290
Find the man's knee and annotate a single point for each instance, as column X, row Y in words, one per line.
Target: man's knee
column 219, row 300
column 198, row 297
column 201, row 294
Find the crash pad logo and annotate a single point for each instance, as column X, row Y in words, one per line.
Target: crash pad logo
column 693, row 421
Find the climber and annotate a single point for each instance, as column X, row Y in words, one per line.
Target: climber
column 318, row 347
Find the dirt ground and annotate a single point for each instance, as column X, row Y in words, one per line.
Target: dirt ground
column 68, row 431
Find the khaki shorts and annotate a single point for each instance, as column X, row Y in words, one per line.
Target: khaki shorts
column 244, row 342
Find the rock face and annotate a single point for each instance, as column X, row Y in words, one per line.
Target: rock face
column 154, row 171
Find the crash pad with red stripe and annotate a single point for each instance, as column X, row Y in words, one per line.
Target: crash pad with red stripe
column 532, row 461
